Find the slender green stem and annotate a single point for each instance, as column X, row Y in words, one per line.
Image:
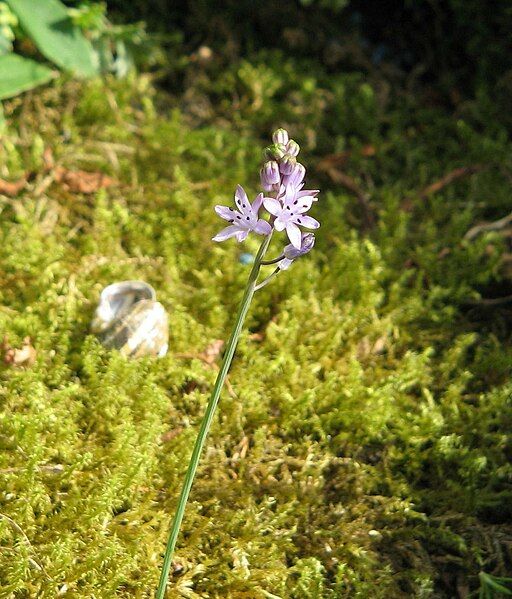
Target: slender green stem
column 267, row 280
column 274, row 261
column 208, row 417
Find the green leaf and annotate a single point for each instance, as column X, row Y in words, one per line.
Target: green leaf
column 18, row 74
column 488, row 581
column 499, row 587
column 51, row 29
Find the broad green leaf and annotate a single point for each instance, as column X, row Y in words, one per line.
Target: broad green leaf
column 51, row 29
column 18, row 74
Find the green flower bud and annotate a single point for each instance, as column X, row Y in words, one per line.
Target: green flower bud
column 275, row 152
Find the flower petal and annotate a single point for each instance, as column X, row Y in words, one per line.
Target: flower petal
column 279, row 225
column 284, row 264
column 242, row 235
column 294, row 234
column 281, row 193
column 225, row 212
column 307, row 221
column 308, row 192
column 241, row 199
column 272, row 206
column 262, row 227
column 306, row 199
column 226, row 233
column 299, row 206
column 256, row 205
column 243, row 221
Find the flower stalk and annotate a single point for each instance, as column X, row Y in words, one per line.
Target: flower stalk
column 208, row 416
column 286, row 211
column 267, row 280
column 274, row 261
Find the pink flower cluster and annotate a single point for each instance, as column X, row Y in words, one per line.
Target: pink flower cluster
column 284, row 176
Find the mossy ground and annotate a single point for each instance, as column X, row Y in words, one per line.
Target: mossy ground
column 364, row 448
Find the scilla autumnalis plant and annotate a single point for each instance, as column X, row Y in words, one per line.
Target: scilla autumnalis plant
column 286, row 202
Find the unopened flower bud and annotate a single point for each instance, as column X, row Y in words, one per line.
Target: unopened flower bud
column 269, row 175
column 292, row 148
column 287, row 164
column 296, row 177
column 275, row 151
column 306, row 245
column 280, row 136
column 291, row 253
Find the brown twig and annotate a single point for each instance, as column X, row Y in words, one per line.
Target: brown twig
column 12, row 188
column 458, row 173
column 494, row 301
column 496, row 225
column 450, row 177
column 49, row 468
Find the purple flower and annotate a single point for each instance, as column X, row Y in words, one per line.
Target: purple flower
column 291, row 252
column 296, row 177
column 287, row 164
column 292, row 148
column 280, row 136
column 269, row 175
column 289, row 209
column 243, row 220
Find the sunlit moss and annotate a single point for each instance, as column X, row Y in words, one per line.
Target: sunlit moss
column 362, row 446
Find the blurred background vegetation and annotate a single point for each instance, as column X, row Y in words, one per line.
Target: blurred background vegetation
column 365, row 455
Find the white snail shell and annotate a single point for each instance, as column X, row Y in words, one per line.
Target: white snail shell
column 129, row 318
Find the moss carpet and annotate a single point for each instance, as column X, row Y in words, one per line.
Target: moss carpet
column 362, row 448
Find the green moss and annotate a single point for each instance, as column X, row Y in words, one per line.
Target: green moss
column 364, row 449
